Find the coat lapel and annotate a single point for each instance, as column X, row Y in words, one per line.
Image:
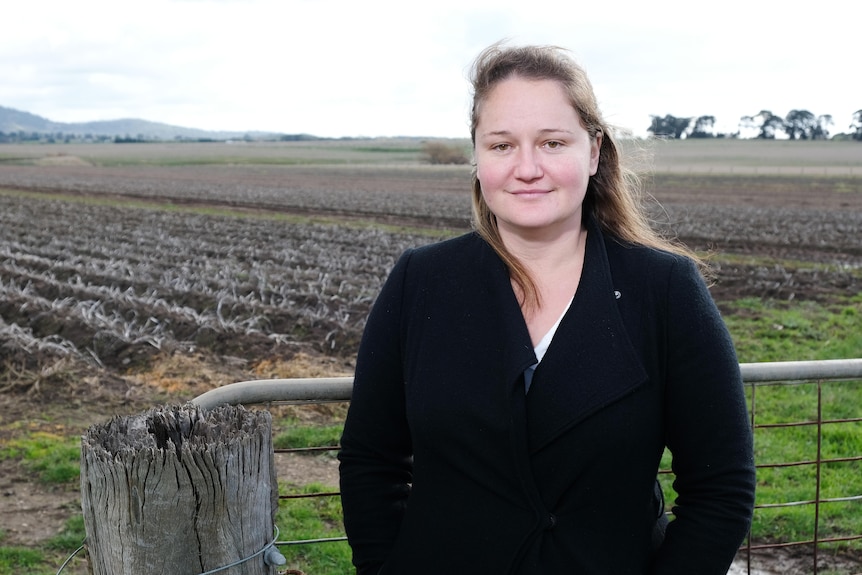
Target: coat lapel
column 590, row 362
column 505, row 324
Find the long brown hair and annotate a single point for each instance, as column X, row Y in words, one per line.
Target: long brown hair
column 614, row 193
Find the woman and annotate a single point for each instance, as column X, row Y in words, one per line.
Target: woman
column 516, row 386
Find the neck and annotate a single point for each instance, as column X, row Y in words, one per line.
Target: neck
column 542, row 253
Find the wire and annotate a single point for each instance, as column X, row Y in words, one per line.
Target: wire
column 252, row 556
column 216, row 570
column 69, row 558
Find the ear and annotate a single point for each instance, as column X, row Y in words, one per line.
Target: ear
column 595, row 152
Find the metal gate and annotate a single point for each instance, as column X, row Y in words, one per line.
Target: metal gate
column 811, row 378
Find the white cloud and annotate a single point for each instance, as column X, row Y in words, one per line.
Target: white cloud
column 350, row 68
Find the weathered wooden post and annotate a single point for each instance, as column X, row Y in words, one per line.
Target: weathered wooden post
column 181, row 490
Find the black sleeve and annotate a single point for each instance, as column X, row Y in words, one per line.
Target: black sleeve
column 708, row 434
column 376, row 450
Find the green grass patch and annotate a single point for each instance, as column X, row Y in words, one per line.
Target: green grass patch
column 59, row 548
column 71, row 537
column 19, row 560
column 298, row 435
column 54, row 459
column 765, row 330
column 314, row 518
column 776, row 183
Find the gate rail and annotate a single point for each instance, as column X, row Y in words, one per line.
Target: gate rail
column 754, row 375
column 323, row 389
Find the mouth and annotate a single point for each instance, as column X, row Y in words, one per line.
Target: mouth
column 529, row 193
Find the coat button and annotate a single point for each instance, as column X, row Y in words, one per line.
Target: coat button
column 552, row 521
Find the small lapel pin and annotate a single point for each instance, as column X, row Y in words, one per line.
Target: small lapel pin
column 617, row 294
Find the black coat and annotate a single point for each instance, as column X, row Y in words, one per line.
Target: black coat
column 447, row 466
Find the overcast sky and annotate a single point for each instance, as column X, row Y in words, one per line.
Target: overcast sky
column 379, row 68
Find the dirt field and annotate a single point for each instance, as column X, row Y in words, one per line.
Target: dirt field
column 798, row 237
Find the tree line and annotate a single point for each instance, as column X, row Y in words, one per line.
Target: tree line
column 796, row 125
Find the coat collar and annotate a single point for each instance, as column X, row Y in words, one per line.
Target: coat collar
column 591, row 361
column 515, row 352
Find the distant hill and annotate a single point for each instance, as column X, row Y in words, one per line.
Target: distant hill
column 13, row 121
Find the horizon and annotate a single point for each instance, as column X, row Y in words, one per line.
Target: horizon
column 623, row 134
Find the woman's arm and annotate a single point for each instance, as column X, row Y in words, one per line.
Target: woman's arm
column 376, row 448
column 708, row 434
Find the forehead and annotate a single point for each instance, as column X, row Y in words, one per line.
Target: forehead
column 516, row 100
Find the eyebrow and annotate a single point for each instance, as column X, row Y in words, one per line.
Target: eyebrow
column 542, row 131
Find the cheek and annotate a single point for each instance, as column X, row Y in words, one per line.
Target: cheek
column 480, row 170
column 488, row 176
column 577, row 170
column 487, row 184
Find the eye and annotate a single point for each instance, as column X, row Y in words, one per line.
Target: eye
column 501, row 147
column 553, row 144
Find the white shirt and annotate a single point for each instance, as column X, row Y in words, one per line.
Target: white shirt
column 542, row 347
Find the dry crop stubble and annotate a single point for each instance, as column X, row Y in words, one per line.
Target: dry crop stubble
column 173, row 279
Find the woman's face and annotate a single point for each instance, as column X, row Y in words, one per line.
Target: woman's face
column 533, row 157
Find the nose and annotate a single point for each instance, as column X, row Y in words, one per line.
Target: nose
column 529, row 166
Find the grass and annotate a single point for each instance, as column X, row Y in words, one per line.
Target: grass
column 15, row 559
column 71, row 537
column 298, row 435
column 19, row 560
column 764, row 330
column 776, row 183
column 313, row 518
column 53, row 458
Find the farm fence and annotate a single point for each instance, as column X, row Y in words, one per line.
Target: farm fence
column 792, row 375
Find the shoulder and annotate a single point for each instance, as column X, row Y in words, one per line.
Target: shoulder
column 647, row 262
column 450, row 247
column 459, row 259
column 443, row 274
column 661, row 279
column 453, row 254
